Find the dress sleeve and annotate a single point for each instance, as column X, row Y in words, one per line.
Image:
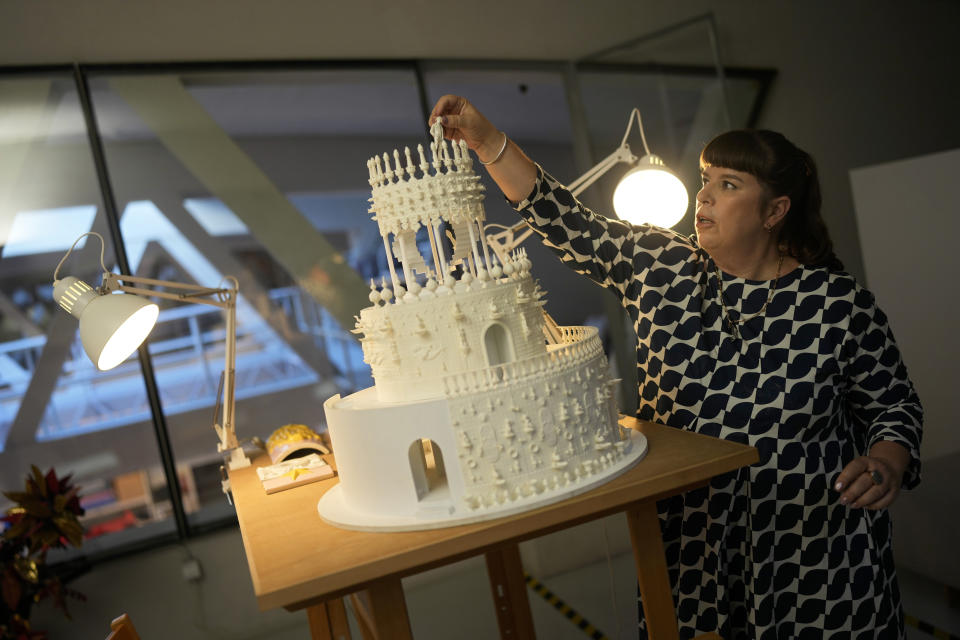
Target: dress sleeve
column 881, row 396
column 610, row 252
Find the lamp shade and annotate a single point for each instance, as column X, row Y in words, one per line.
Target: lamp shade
column 650, row 194
column 112, row 326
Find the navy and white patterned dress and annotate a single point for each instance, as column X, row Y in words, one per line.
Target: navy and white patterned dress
column 767, row 551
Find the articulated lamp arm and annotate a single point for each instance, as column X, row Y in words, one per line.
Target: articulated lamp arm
column 118, row 325
column 505, row 241
column 225, row 299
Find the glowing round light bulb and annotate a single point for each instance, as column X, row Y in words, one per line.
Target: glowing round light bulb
column 650, row 194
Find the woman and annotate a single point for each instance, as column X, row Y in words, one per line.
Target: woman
column 750, row 331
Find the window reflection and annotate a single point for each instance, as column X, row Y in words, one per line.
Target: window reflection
column 259, row 175
column 56, row 409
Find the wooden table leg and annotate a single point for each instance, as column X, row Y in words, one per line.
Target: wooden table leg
column 328, row 621
column 388, row 610
column 361, row 609
column 510, row 593
column 652, row 574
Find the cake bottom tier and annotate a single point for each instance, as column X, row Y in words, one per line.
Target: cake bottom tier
column 445, row 462
column 335, row 508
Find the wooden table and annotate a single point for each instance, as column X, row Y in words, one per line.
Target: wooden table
column 298, row 561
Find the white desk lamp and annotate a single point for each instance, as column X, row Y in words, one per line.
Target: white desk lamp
column 648, row 193
column 113, row 326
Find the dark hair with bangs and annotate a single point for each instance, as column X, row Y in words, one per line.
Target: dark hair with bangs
column 784, row 170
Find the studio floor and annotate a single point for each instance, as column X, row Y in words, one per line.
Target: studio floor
column 454, row 602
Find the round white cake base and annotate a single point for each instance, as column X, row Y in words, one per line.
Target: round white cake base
column 334, row 509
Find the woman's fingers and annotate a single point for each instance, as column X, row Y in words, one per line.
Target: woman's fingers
column 850, row 473
column 885, row 500
column 462, row 121
column 862, row 492
column 448, row 104
column 867, row 482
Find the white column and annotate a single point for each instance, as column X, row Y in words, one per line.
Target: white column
column 473, row 246
column 393, row 271
column 443, row 258
column 483, row 242
column 437, row 263
column 407, row 273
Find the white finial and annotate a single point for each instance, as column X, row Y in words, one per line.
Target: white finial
column 396, row 163
column 411, row 169
column 388, row 172
column 456, row 153
column 424, row 165
column 465, row 154
column 385, row 293
column 413, row 288
column 446, row 155
column 496, row 271
column 374, row 296
column 379, row 169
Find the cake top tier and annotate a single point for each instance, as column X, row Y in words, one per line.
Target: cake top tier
column 406, row 196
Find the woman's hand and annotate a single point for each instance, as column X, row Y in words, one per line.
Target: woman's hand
column 506, row 163
column 462, row 121
column 873, row 481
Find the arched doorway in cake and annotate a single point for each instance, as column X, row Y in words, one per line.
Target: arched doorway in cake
column 427, row 468
column 498, row 345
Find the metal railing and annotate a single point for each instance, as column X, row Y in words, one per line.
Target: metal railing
column 187, row 365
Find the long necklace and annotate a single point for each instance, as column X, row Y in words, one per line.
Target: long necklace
column 723, row 305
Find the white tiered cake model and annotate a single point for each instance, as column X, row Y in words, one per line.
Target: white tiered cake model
column 473, row 415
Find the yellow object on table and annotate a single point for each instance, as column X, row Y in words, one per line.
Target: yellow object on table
column 294, row 440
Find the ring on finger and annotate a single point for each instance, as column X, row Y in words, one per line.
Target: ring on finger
column 877, row 477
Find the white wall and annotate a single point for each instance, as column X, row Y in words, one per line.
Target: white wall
column 911, row 259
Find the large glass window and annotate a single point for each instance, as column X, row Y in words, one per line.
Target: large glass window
column 56, row 409
column 260, row 176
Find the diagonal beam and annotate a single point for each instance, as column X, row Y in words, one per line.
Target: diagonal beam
column 197, row 141
column 25, row 111
column 218, row 254
column 10, row 310
column 61, row 330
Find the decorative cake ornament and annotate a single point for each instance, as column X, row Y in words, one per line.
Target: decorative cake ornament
column 481, row 407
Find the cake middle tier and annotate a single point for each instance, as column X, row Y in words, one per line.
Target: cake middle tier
column 413, row 344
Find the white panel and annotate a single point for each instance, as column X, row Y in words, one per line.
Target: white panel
column 909, row 226
column 908, row 223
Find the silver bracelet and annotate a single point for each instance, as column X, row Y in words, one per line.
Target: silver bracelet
column 499, row 153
